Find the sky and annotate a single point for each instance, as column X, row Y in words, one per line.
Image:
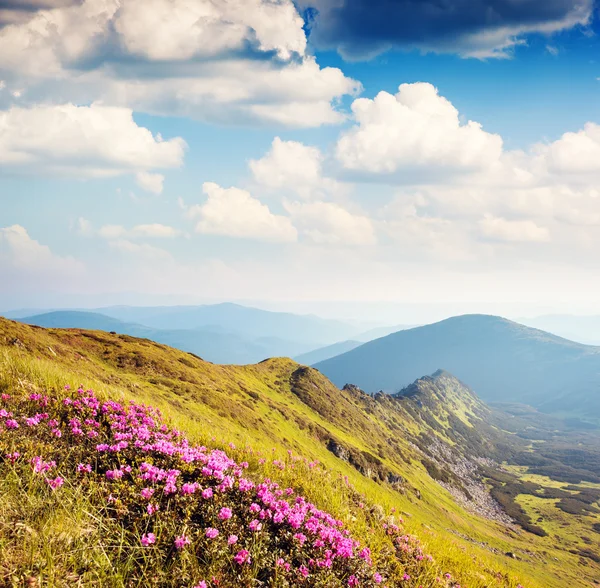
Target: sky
column 379, row 159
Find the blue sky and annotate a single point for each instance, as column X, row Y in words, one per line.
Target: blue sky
column 167, row 151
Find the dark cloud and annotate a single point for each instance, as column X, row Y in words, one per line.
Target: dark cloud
column 361, row 28
column 16, row 11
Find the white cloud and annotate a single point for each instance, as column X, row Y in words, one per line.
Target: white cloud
column 240, row 60
column 113, row 232
column 288, row 165
column 235, row 213
column 574, row 153
column 168, row 30
column 501, row 229
column 150, row 182
column 415, row 128
column 26, row 255
column 83, row 141
column 139, row 249
column 331, row 224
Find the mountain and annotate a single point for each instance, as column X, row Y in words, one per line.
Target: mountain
column 323, row 353
column 503, row 360
column 583, row 329
column 247, row 322
column 378, row 332
column 431, row 453
column 211, row 343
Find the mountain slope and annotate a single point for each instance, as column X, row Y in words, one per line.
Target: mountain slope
column 211, row 342
column 389, row 448
column 323, row 353
column 502, row 360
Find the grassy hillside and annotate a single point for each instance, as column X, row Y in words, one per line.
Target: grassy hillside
column 502, row 360
column 372, row 453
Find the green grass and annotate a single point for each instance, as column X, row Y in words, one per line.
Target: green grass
column 272, row 408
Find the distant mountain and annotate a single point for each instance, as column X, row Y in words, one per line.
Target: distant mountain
column 248, row 322
column 503, row 360
column 327, row 352
column 378, row 332
column 583, row 329
column 211, row 343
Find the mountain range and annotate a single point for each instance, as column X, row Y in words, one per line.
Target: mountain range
column 501, row 497
column 211, row 342
column 503, row 360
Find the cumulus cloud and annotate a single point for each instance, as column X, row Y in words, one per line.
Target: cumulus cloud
column 150, row 182
column 415, row 129
column 331, row 224
column 232, row 212
column 240, row 60
column 170, row 30
column 289, row 165
column 25, row 255
column 472, row 28
column 82, row 141
column 574, row 153
column 501, row 229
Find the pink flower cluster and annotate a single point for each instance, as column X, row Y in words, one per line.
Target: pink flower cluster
column 204, row 492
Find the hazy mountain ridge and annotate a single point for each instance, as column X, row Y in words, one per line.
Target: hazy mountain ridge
column 212, row 342
column 327, row 352
column 502, row 360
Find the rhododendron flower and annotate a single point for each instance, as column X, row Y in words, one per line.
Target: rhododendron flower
column 255, row 525
column 148, row 539
column 225, row 514
column 181, row 541
column 232, row 540
column 12, row 457
column 201, row 585
column 242, row 557
column 147, row 493
column 208, row 493
column 55, row 483
column 211, row 533
column 377, row 578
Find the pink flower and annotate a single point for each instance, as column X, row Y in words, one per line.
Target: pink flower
column 202, row 584
column 377, row 578
column 242, row 557
column 208, row 493
column 148, row 539
column 232, row 540
column 225, row 514
column 147, row 493
column 87, row 468
column 255, row 525
column 55, row 483
column 152, row 508
column 211, row 533
column 352, row 580
column 181, row 541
